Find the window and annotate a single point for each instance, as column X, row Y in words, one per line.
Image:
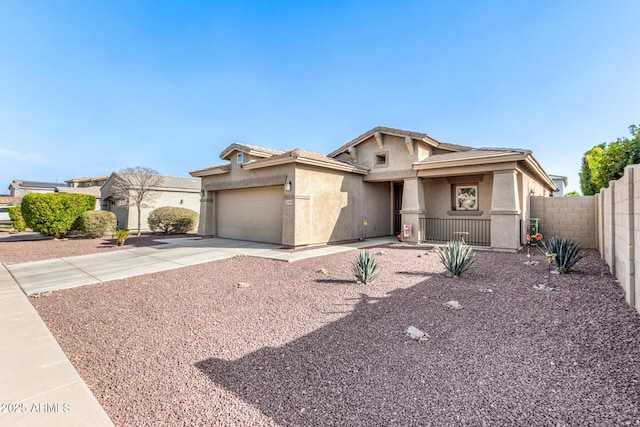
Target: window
column 240, row 158
column 380, row 159
column 466, row 198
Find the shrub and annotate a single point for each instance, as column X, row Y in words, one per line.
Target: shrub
column 365, row 268
column 457, row 257
column 172, row 220
column 122, row 236
column 567, row 255
column 54, row 214
column 17, row 221
column 97, row 223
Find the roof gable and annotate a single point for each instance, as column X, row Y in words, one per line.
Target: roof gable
column 248, row 149
column 308, row 158
column 379, row 132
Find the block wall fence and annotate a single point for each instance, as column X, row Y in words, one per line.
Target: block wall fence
column 608, row 222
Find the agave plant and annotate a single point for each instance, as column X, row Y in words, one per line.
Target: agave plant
column 457, row 257
column 365, row 268
column 566, row 253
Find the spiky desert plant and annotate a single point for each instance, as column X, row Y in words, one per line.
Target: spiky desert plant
column 456, row 257
column 121, row 236
column 566, row 253
column 365, row 268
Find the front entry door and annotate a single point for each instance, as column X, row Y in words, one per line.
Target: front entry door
column 397, row 207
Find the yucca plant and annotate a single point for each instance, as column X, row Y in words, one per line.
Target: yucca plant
column 365, row 268
column 457, row 257
column 566, row 254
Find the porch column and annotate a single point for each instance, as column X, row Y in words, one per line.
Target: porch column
column 505, row 211
column 207, row 223
column 413, row 207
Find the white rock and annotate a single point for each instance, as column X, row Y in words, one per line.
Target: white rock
column 485, row 290
column 381, row 253
column 453, row 305
column 415, row 334
column 242, row 285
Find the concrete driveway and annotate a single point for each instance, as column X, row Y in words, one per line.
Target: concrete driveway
column 62, row 273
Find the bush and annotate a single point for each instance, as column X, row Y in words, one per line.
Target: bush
column 17, row 222
column 457, row 257
column 54, row 214
column 567, row 255
column 365, row 268
column 121, row 236
column 97, row 223
column 172, row 220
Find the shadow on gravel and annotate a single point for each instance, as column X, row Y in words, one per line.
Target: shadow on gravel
column 335, row 281
column 418, row 273
column 487, row 364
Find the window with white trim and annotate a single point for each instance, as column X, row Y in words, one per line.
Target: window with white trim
column 466, row 198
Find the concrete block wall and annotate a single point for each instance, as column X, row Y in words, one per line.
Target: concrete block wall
column 570, row 217
column 619, row 231
column 608, row 221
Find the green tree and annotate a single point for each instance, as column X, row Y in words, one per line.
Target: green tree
column 572, row 194
column 606, row 162
column 586, row 183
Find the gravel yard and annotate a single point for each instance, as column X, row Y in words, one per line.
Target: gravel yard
column 302, row 346
column 15, row 251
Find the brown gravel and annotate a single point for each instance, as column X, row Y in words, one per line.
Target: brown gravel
column 299, row 347
column 14, row 252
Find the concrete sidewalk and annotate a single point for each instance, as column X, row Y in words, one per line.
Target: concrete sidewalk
column 63, row 273
column 38, row 384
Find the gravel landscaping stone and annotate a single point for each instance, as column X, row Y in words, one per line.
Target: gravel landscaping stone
column 14, row 252
column 182, row 347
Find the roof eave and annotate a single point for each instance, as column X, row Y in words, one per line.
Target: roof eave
column 212, row 170
column 346, row 167
column 468, row 161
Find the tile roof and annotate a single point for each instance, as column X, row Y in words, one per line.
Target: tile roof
column 249, row 149
column 398, row 132
column 480, row 153
column 301, row 155
column 92, row 191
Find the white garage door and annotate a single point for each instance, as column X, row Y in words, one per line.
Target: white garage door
column 251, row 214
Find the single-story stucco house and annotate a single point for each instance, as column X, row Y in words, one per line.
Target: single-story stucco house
column 172, row 191
column 91, row 191
column 384, row 182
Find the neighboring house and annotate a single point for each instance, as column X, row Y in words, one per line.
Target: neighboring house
column 395, row 180
column 7, row 200
column 89, row 181
column 561, row 182
column 18, row 188
column 173, row 191
column 92, row 191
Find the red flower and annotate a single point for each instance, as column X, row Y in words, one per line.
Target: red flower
column 527, row 237
column 538, row 236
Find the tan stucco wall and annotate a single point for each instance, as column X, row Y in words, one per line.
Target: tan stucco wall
column 190, row 200
column 399, row 161
column 330, row 206
column 438, row 197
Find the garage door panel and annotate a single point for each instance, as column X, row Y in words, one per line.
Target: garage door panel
column 251, row 214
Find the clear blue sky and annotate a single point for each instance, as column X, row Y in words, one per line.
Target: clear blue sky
column 89, row 87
